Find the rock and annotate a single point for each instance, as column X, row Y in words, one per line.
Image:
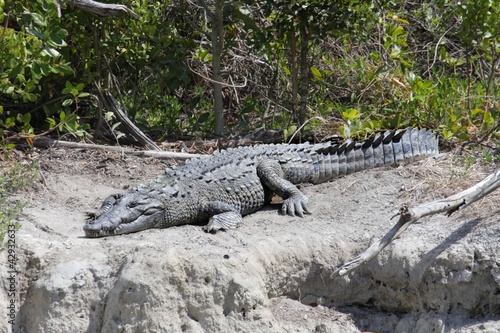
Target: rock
column 271, row 274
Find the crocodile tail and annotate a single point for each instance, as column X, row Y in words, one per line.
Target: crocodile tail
column 389, row 148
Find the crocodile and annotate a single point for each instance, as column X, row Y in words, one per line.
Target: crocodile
column 223, row 187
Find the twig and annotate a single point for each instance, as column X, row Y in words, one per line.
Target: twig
column 219, row 82
column 483, row 137
column 436, row 49
column 302, row 126
column 410, row 215
column 6, row 24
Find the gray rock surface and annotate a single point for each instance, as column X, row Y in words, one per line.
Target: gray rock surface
column 271, row 274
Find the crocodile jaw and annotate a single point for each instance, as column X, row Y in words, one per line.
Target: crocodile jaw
column 106, row 226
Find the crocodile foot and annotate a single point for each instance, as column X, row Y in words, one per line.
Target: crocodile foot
column 295, row 205
column 225, row 220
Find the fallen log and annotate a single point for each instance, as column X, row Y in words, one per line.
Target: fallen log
column 49, row 143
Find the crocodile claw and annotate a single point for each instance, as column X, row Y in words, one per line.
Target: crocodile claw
column 295, row 205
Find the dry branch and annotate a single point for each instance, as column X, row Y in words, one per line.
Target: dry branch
column 129, row 126
column 410, row 215
column 98, row 8
column 48, row 143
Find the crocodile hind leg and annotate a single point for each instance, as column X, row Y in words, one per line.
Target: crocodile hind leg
column 272, row 175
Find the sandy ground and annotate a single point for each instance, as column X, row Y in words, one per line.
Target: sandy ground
column 272, row 273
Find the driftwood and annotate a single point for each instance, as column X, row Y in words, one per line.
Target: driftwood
column 410, row 215
column 48, row 143
column 98, row 8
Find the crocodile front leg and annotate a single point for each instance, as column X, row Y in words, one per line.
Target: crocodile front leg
column 223, row 216
column 272, row 175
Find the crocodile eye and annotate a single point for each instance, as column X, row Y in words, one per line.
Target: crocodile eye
column 132, row 204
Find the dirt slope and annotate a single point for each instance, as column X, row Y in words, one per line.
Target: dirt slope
column 271, row 274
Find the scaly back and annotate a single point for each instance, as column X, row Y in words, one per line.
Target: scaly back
column 316, row 163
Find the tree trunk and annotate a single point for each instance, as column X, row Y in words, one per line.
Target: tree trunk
column 304, row 76
column 217, row 46
column 293, row 68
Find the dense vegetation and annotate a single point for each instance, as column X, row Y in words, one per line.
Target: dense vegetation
column 351, row 66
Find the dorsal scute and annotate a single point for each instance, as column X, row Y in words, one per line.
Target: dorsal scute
column 232, row 163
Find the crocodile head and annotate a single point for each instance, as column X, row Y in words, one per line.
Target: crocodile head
column 121, row 214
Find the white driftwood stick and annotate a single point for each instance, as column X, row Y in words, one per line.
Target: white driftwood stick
column 409, row 216
column 98, row 8
column 47, row 143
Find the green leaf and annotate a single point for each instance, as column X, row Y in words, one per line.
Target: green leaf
column 401, row 20
column 82, row 95
column 26, row 118
column 80, row 86
column 36, row 70
column 346, row 132
column 447, row 133
column 476, row 111
column 56, row 41
column 316, row 72
column 67, row 102
column 63, row 33
column 350, row 114
column 425, row 84
column 31, row 97
column 38, row 19
column 43, row 67
column 396, row 52
column 51, row 122
column 35, row 33
column 398, row 31
column 203, row 54
column 30, row 85
column 488, row 119
column 10, row 122
column 51, row 52
column 15, row 71
column 109, row 116
column 65, row 69
column 115, row 126
column 20, row 78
